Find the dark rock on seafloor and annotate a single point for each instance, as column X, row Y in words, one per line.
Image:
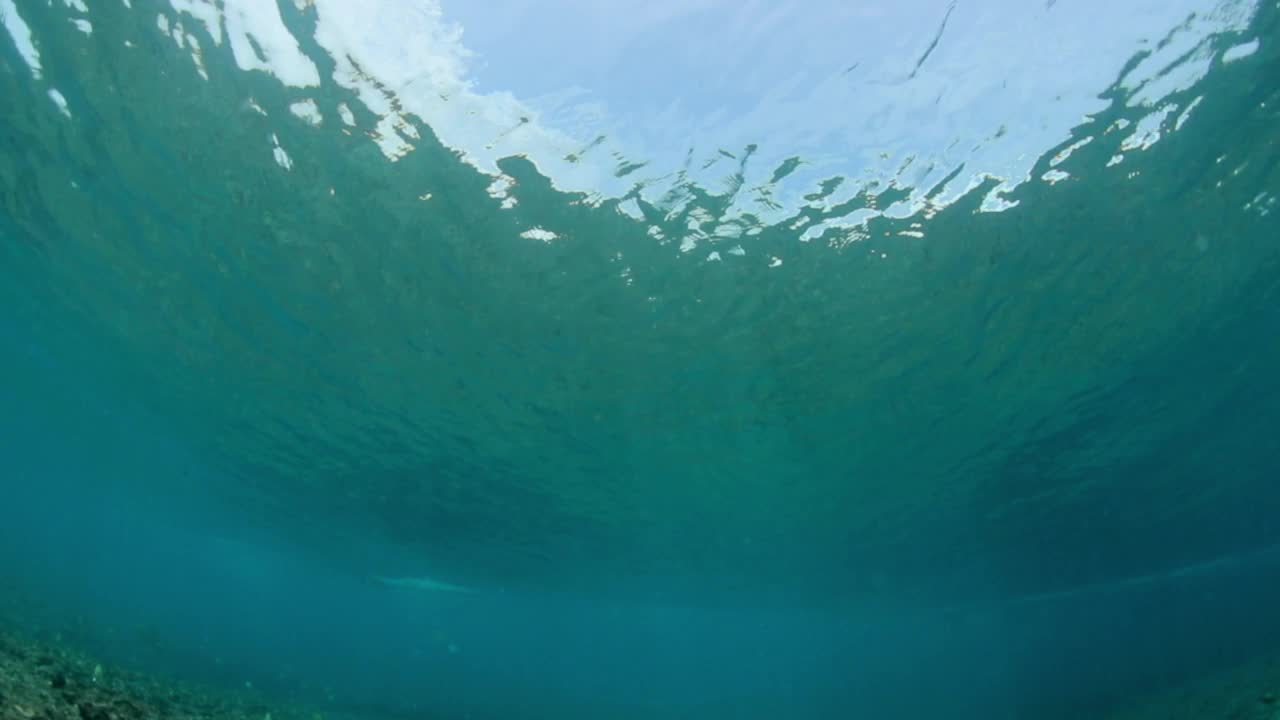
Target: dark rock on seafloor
column 126, row 710
column 89, row 711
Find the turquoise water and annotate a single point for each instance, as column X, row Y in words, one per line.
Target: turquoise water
column 437, row 361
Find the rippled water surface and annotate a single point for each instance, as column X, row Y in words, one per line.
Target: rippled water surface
column 695, row 359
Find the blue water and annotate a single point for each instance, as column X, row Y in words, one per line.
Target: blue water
column 293, row 425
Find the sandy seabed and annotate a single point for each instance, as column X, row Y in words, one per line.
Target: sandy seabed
column 1245, row 692
column 43, row 680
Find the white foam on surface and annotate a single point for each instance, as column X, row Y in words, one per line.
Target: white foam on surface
column 205, row 12
column 1242, row 50
column 59, row 101
column 344, row 112
column 308, row 111
column 1054, row 176
column 257, row 35
column 604, row 99
column 1148, row 130
column 1186, row 112
column 538, row 233
column 20, row 33
column 281, row 157
column 966, row 102
column 197, row 55
column 1062, row 155
column 260, row 41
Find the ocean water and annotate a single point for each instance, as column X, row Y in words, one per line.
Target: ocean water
column 425, row 359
